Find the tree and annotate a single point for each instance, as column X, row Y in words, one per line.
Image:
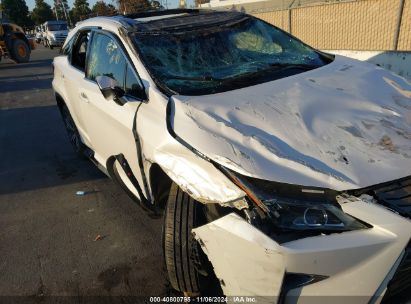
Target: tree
column 17, row 11
column 133, row 6
column 41, row 12
column 103, row 9
column 81, row 10
column 61, row 8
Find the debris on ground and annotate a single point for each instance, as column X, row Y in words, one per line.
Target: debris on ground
column 98, row 238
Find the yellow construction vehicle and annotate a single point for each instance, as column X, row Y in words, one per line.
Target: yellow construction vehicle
column 14, row 43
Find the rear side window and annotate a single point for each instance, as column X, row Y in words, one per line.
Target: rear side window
column 79, row 53
column 66, row 50
column 106, row 59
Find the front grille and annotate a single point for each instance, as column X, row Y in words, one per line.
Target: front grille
column 396, row 196
column 399, row 288
column 61, row 38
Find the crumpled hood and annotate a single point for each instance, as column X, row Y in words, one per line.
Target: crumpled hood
column 343, row 126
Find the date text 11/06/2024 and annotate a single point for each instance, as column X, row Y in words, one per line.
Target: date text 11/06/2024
column 239, row 299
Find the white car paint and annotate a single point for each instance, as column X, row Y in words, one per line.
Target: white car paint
column 310, row 117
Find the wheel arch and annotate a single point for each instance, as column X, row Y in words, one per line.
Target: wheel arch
column 22, row 37
column 160, row 185
column 60, row 101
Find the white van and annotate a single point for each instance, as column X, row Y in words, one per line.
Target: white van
column 55, row 33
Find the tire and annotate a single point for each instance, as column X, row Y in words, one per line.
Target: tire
column 72, row 131
column 178, row 243
column 20, row 51
column 51, row 47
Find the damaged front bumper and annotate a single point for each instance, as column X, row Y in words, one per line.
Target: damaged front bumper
column 325, row 268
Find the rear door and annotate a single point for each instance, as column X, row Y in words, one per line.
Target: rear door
column 73, row 77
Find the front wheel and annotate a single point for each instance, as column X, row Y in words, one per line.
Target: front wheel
column 20, row 51
column 179, row 244
column 188, row 268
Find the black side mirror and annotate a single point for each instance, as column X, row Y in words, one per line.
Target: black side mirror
column 110, row 89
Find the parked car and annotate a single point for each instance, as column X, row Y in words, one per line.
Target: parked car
column 283, row 172
column 54, row 33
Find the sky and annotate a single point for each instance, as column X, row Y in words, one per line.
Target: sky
column 30, row 3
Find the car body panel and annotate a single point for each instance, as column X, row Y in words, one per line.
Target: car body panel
column 343, row 126
column 109, row 126
column 355, row 262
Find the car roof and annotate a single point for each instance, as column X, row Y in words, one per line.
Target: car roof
column 166, row 20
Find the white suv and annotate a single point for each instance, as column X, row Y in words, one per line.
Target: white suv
column 283, row 171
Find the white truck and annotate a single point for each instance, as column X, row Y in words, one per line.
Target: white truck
column 54, row 33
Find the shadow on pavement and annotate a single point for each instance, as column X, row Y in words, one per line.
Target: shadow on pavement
column 25, row 85
column 36, row 153
column 30, row 64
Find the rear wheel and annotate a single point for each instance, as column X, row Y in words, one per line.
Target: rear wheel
column 73, row 134
column 20, row 51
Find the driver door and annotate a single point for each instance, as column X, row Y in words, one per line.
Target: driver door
column 109, row 125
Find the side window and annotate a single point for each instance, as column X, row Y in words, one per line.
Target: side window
column 66, row 50
column 133, row 86
column 79, row 53
column 106, row 59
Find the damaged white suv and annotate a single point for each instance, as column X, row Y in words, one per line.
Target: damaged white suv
column 283, row 172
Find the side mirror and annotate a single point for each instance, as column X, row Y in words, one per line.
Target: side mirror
column 110, row 89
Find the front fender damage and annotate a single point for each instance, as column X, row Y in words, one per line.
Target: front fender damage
column 196, row 176
column 247, row 262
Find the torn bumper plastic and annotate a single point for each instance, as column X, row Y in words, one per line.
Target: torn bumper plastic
column 358, row 264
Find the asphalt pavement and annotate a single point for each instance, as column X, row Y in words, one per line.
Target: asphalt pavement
column 52, row 241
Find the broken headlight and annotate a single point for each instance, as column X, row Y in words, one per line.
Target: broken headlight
column 303, row 215
column 284, row 207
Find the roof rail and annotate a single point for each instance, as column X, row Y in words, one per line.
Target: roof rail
column 153, row 13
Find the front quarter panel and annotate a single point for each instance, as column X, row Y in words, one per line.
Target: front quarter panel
column 195, row 175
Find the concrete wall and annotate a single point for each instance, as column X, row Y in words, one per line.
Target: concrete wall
column 397, row 62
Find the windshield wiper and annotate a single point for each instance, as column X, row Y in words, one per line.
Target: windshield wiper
column 271, row 67
column 294, row 66
column 245, row 76
column 199, row 78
